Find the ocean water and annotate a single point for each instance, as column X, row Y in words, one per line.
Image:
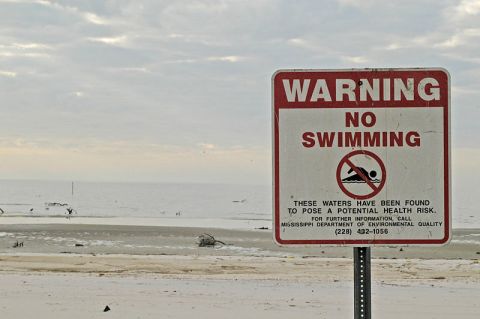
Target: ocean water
column 135, row 200
column 173, row 204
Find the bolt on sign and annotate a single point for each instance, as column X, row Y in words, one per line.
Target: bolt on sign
column 361, row 157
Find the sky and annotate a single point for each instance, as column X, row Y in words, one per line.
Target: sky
column 180, row 91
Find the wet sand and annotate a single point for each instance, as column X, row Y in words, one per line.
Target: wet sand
column 161, row 240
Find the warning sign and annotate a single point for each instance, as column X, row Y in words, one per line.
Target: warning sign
column 361, row 157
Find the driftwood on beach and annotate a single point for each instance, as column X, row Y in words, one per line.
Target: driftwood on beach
column 207, row 240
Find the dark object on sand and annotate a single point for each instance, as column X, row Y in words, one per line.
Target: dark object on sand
column 107, row 308
column 262, row 227
column 79, row 245
column 207, row 240
column 2, row 211
column 55, row 204
column 18, row 244
column 239, row 201
column 70, row 212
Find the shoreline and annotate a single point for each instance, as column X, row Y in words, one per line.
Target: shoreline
column 169, row 240
column 220, row 223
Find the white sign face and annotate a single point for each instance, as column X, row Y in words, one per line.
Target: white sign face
column 361, row 157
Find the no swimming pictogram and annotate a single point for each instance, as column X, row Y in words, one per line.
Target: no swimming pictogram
column 361, row 174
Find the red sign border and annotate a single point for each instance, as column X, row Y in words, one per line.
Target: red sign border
column 343, row 242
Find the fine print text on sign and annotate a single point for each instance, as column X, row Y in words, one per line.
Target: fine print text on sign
column 361, row 157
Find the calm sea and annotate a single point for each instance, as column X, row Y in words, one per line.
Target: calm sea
column 180, row 202
column 137, row 200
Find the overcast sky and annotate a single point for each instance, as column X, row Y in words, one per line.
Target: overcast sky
column 180, row 90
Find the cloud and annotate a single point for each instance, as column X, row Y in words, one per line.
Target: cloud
column 95, row 19
column 8, row 74
column 461, row 37
column 207, row 146
column 467, row 8
column 89, row 17
column 25, row 50
column 178, row 78
column 228, row 58
column 29, row 46
column 308, row 44
column 298, row 42
column 92, row 159
column 423, row 41
column 33, row 55
column 358, row 3
column 355, row 59
column 135, row 69
column 118, row 40
column 78, row 94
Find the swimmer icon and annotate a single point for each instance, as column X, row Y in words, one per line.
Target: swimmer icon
column 361, row 177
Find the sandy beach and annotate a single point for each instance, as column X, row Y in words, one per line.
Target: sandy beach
column 231, row 287
column 76, row 270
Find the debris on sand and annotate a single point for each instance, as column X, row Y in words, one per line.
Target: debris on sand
column 239, row 201
column 107, row 308
column 207, row 240
column 18, row 244
column 55, row 204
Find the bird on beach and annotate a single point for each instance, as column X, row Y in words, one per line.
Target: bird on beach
column 70, row 211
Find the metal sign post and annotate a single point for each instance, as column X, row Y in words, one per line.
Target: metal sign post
column 362, row 283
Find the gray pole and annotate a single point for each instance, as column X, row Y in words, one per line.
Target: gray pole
column 362, row 282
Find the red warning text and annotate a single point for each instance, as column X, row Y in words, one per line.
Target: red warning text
column 356, row 89
column 361, row 139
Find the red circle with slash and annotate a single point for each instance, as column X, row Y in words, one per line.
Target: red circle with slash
column 346, row 161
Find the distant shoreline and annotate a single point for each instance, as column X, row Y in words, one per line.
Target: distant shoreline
column 221, row 223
